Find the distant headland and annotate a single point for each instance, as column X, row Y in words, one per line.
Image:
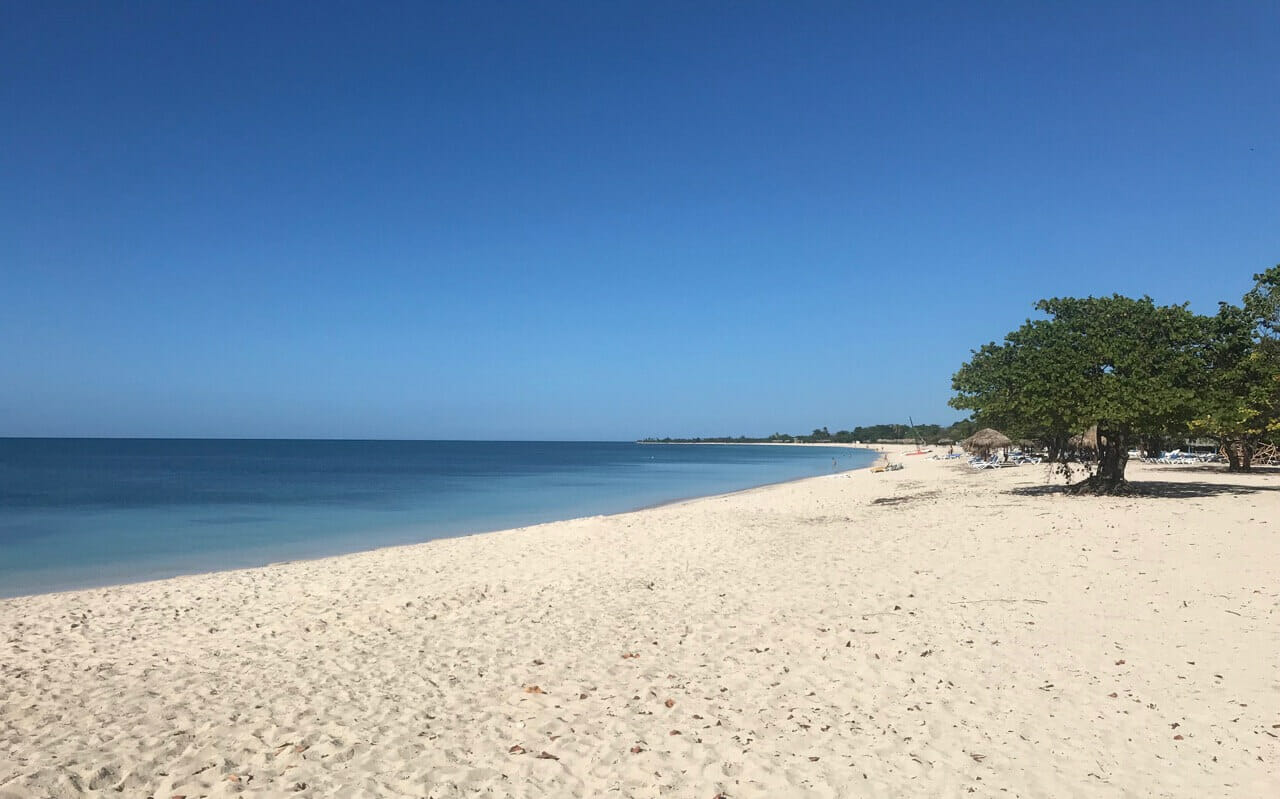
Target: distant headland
column 872, row 434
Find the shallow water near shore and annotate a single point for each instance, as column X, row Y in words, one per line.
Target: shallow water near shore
column 77, row 513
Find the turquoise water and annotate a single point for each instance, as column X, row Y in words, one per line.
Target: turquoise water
column 77, row 513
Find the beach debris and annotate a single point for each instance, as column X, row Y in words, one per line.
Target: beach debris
column 1177, row 737
column 516, row 749
column 538, row 663
column 637, row 749
column 1120, row 662
column 629, row 655
column 547, row 756
column 889, row 500
column 813, row 758
column 675, row 732
column 977, row 758
column 670, row 703
column 533, row 689
column 1113, row 694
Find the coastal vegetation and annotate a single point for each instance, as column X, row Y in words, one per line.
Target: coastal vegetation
column 1135, row 373
column 876, row 433
column 1099, row 377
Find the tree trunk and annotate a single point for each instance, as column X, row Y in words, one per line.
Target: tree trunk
column 1239, row 454
column 1113, row 456
column 1056, row 445
column 1233, row 457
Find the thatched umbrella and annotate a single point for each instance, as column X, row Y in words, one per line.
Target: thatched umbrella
column 985, row 440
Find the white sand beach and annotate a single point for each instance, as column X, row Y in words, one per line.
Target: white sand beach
column 931, row 632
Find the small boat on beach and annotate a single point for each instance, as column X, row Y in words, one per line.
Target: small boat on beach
column 919, row 448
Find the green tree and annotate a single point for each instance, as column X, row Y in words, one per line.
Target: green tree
column 962, row 429
column 1262, row 303
column 1231, row 413
column 1242, row 401
column 1131, row 367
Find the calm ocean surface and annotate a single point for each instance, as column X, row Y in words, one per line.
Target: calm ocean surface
column 77, row 513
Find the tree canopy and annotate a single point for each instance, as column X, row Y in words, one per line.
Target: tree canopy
column 1242, row 399
column 1129, row 366
column 1137, row 372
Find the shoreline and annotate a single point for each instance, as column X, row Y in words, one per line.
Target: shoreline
column 916, row 632
column 771, row 444
column 342, row 552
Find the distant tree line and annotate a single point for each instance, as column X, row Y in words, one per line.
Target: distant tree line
column 927, row 433
column 1114, row 373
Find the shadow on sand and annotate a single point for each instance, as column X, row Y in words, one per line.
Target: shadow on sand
column 1160, row 489
column 1258, row 469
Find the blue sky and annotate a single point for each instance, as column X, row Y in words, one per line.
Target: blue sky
column 597, row 220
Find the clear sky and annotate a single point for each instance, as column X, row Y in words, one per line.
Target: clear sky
column 598, row 220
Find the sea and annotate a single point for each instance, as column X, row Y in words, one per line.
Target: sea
column 82, row 513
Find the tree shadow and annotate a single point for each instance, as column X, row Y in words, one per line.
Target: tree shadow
column 1159, row 489
column 1208, row 468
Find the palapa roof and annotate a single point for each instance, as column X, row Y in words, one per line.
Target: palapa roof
column 987, row 438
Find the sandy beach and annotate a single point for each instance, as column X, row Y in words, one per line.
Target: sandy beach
column 933, row 631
